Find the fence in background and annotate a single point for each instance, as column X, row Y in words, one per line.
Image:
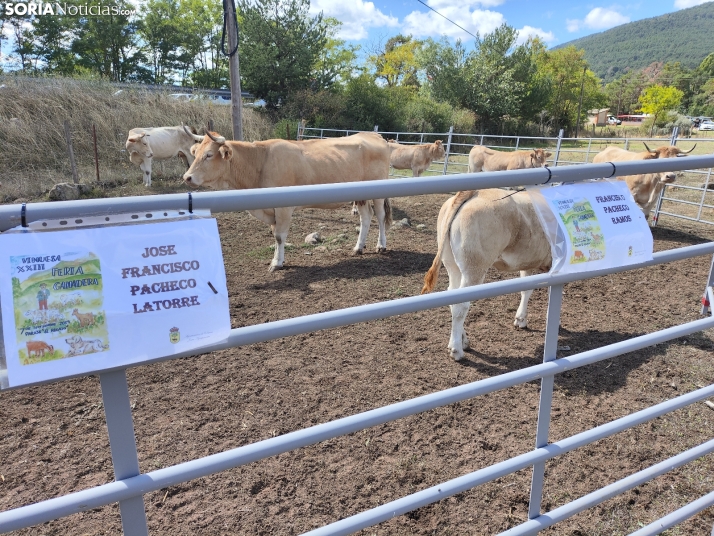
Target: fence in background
column 130, row 485
column 691, row 198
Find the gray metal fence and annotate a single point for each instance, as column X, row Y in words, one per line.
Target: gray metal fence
column 690, row 198
column 130, row 485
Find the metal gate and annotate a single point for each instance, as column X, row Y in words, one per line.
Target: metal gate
column 130, row 485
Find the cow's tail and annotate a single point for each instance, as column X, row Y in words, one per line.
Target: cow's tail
column 387, row 213
column 432, row 275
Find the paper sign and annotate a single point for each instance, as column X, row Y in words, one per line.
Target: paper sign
column 593, row 225
column 85, row 300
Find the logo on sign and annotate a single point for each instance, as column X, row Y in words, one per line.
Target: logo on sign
column 174, row 335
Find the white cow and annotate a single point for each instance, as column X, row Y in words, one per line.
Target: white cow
column 483, row 228
column 161, row 143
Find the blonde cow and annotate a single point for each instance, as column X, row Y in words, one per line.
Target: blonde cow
column 483, row 228
column 484, row 159
column 222, row 165
column 646, row 187
column 418, row 158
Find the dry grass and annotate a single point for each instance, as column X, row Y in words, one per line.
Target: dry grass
column 34, row 152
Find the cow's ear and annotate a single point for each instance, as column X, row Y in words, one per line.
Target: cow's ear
column 548, row 154
column 132, row 140
column 226, row 152
column 193, row 149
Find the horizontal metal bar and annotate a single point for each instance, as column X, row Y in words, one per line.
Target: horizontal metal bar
column 685, row 202
column 684, row 217
column 261, row 198
column 436, row 493
column 677, row 516
column 145, row 483
column 544, row 521
column 375, row 311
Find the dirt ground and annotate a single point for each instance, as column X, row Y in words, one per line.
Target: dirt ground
column 54, row 438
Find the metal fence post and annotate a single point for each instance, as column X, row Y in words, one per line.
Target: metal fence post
column 448, row 148
column 658, row 206
column 555, row 302
column 376, row 128
column 518, row 142
column 117, row 408
column 557, row 146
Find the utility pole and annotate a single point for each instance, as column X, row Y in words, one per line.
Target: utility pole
column 580, row 104
column 230, row 23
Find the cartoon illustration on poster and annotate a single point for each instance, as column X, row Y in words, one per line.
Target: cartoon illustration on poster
column 58, row 306
column 583, row 229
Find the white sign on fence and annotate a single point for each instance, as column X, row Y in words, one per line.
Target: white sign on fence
column 592, row 225
column 84, row 300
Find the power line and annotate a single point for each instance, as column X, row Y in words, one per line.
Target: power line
column 451, row 21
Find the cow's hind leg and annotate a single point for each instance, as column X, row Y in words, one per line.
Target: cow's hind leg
column 381, row 213
column 280, row 232
column 146, row 169
column 365, row 215
column 521, row 320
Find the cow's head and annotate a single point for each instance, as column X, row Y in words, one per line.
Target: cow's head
column 439, row 150
column 539, row 157
column 139, row 144
column 668, row 151
column 212, row 163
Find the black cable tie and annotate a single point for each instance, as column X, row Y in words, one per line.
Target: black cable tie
column 190, row 203
column 614, row 169
column 23, row 214
column 550, row 175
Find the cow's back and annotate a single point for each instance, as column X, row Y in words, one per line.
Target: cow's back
column 503, row 230
column 617, row 154
column 360, row 157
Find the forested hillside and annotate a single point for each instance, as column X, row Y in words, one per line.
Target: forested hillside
column 686, row 36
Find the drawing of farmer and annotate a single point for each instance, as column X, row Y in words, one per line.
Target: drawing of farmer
column 42, row 295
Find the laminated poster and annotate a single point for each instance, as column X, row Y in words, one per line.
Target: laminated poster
column 84, row 300
column 592, row 225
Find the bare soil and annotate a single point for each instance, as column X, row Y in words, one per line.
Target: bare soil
column 54, row 437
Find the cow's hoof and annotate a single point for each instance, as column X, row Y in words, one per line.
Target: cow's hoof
column 274, row 267
column 520, row 323
column 381, row 249
column 357, row 251
column 456, row 355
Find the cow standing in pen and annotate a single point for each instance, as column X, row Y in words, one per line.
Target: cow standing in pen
column 484, row 159
column 646, row 187
column 479, row 229
column 418, row 158
column 222, row 165
column 145, row 145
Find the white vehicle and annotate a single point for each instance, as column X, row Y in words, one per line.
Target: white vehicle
column 612, row 120
column 180, row 96
column 706, row 125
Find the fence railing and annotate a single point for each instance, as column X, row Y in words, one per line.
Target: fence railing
column 690, row 198
column 130, row 485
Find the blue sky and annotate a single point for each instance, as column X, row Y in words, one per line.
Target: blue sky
column 555, row 21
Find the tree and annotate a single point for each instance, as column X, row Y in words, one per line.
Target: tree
column 566, row 72
column 336, row 62
column 279, row 47
column 164, row 34
column 657, row 100
column 444, row 70
column 397, row 64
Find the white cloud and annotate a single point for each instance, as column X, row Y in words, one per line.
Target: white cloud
column 599, row 18
column 428, row 24
column 683, row 4
column 357, row 17
column 528, row 31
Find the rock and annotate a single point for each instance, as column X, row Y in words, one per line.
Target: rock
column 421, row 226
column 64, row 191
column 320, row 248
column 401, row 224
column 313, row 238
